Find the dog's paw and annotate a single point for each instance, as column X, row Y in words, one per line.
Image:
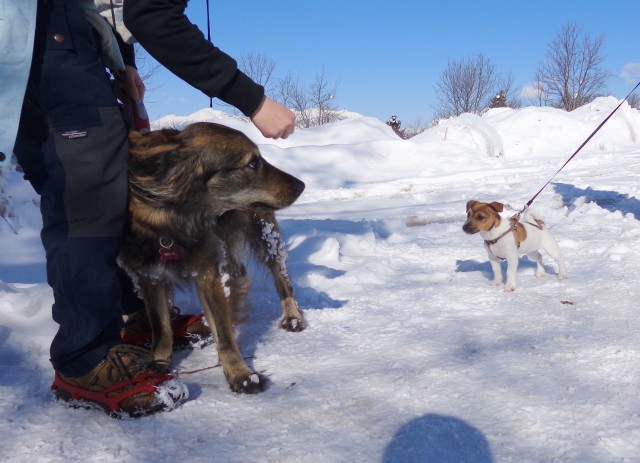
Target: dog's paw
column 540, row 273
column 162, row 367
column 252, row 384
column 562, row 276
column 496, row 283
column 292, row 324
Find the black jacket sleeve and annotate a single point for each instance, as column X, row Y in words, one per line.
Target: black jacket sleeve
column 162, row 28
column 127, row 51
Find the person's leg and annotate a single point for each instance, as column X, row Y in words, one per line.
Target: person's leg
column 72, row 145
column 82, row 180
column 72, row 272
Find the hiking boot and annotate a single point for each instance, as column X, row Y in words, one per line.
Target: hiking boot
column 189, row 331
column 122, row 385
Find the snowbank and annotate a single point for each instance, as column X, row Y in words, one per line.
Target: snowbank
column 410, row 354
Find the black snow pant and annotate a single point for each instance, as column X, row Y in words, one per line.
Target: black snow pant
column 72, row 146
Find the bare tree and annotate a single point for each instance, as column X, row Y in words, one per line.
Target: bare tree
column 285, row 89
column 314, row 105
column 290, row 92
column 301, row 106
column 322, row 97
column 259, row 68
column 572, row 74
column 634, row 101
column 537, row 92
column 147, row 66
column 416, row 128
column 466, row 86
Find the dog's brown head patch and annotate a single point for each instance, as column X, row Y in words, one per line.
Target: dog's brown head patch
column 482, row 216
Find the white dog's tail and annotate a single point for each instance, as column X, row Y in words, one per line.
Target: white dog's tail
column 534, row 217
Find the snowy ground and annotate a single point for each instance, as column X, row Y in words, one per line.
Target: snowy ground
column 410, row 354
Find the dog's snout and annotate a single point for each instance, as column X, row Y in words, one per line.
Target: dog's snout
column 283, row 191
column 467, row 228
column 298, row 187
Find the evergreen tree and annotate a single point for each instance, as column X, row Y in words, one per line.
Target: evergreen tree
column 499, row 101
column 395, row 123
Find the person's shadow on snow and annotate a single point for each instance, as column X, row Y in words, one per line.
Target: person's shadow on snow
column 438, row 439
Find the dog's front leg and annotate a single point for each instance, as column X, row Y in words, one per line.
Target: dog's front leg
column 217, row 311
column 273, row 252
column 496, row 267
column 292, row 319
column 156, row 302
column 512, row 269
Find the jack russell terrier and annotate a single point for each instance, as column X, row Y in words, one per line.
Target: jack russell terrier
column 508, row 239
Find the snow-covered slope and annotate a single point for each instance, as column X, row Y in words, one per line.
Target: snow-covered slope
column 410, row 354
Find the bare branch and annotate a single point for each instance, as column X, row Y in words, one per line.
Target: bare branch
column 467, row 86
column 314, row 105
column 572, row 74
column 323, row 99
column 259, row 68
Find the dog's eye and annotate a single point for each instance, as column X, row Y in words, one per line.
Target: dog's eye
column 254, row 164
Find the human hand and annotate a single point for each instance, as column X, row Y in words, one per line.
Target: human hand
column 273, row 119
column 130, row 85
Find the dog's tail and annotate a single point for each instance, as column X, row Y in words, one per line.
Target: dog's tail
column 534, row 216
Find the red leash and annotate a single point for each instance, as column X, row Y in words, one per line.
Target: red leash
column 191, row 372
column 218, row 365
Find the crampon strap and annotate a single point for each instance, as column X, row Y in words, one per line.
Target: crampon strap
column 114, row 395
column 179, row 325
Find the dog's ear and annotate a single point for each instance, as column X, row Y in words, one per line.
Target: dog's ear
column 496, row 206
column 470, row 204
column 143, row 145
column 135, row 137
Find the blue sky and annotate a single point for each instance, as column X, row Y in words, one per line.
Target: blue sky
column 386, row 56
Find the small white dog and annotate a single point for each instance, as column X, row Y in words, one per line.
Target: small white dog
column 508, row 239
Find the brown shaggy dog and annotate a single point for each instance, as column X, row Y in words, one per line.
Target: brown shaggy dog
column 197, row 197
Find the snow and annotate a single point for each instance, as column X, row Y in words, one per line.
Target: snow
column 410, row 354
